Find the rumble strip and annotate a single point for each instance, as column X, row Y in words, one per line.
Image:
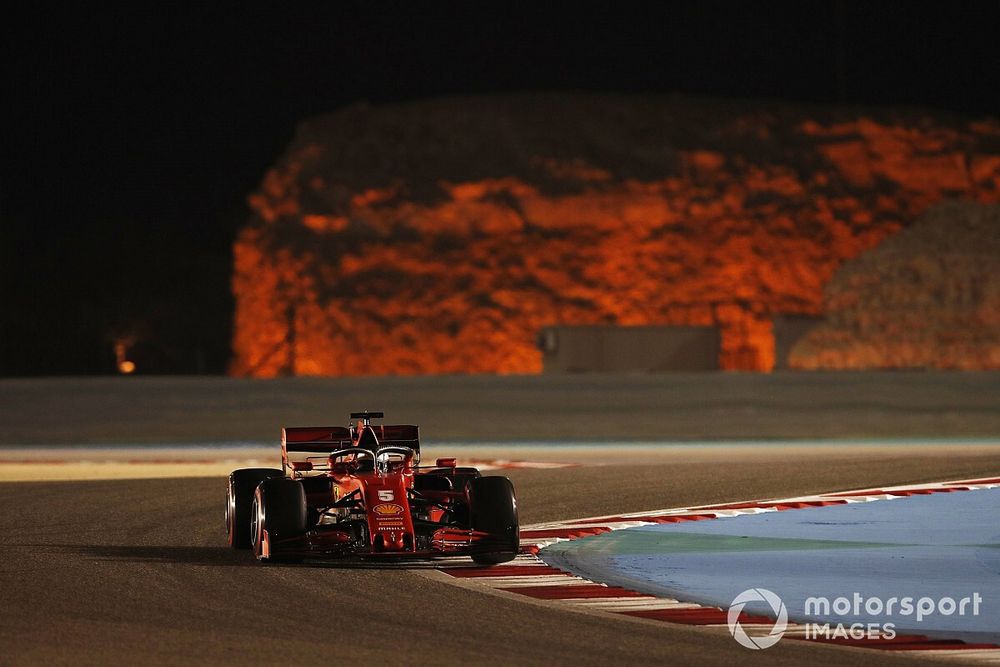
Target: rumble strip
column 530, row 576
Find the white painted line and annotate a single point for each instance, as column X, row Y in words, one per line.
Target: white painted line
column 639, row 604
column 544, row 580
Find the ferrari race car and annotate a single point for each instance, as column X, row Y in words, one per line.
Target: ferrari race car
column 360, row 491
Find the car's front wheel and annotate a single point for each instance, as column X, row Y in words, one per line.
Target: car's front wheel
column 279, row 510
column 494, row 510
column 239, row 499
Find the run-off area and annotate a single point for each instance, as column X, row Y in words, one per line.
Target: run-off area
column 924, row 564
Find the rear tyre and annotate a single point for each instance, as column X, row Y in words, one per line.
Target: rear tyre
column 494, row 511
column 279, row 507
column 239, row 498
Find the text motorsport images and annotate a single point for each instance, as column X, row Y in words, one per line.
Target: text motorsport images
column 856, row 605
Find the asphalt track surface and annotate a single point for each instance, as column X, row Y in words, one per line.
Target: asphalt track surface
column 137, row 571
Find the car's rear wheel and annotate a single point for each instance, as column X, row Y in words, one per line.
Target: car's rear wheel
column 279, row 509
column 494, row 511
column 239, row 499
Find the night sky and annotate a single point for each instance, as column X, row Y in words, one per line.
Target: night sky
column 133, row 136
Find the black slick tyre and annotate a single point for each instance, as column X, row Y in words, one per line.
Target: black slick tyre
column 279, row 507
column 239, row 498
column 494, row 510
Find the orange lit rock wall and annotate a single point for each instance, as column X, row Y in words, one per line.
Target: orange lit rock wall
column 929, row 297
column 440, row 236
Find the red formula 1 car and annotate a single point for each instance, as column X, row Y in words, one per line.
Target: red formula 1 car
column 360, row 491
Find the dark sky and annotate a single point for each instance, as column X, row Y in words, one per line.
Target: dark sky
column 132, row 136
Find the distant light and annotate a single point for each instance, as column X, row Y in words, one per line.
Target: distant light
column 126, row 367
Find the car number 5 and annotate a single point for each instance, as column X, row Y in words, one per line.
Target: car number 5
column 385, row 495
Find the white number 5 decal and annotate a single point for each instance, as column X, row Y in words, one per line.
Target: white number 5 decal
column 385, row 495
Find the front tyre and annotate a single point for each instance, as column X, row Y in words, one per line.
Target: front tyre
column 239, row 498
column 494, row 511
column 279, row 510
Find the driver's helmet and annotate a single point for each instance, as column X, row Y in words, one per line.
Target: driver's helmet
column 394, row 462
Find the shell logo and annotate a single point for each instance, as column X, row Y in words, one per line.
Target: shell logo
column 387, row 508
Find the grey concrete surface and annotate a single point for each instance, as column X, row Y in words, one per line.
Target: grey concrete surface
column 668, row 406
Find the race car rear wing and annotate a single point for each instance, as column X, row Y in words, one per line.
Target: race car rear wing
column 398, row 435
column 323, row 439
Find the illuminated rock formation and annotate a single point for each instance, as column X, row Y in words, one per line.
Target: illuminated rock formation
column 929, row 297
column 440, row 236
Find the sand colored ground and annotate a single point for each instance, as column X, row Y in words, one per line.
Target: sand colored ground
column 66, row 464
